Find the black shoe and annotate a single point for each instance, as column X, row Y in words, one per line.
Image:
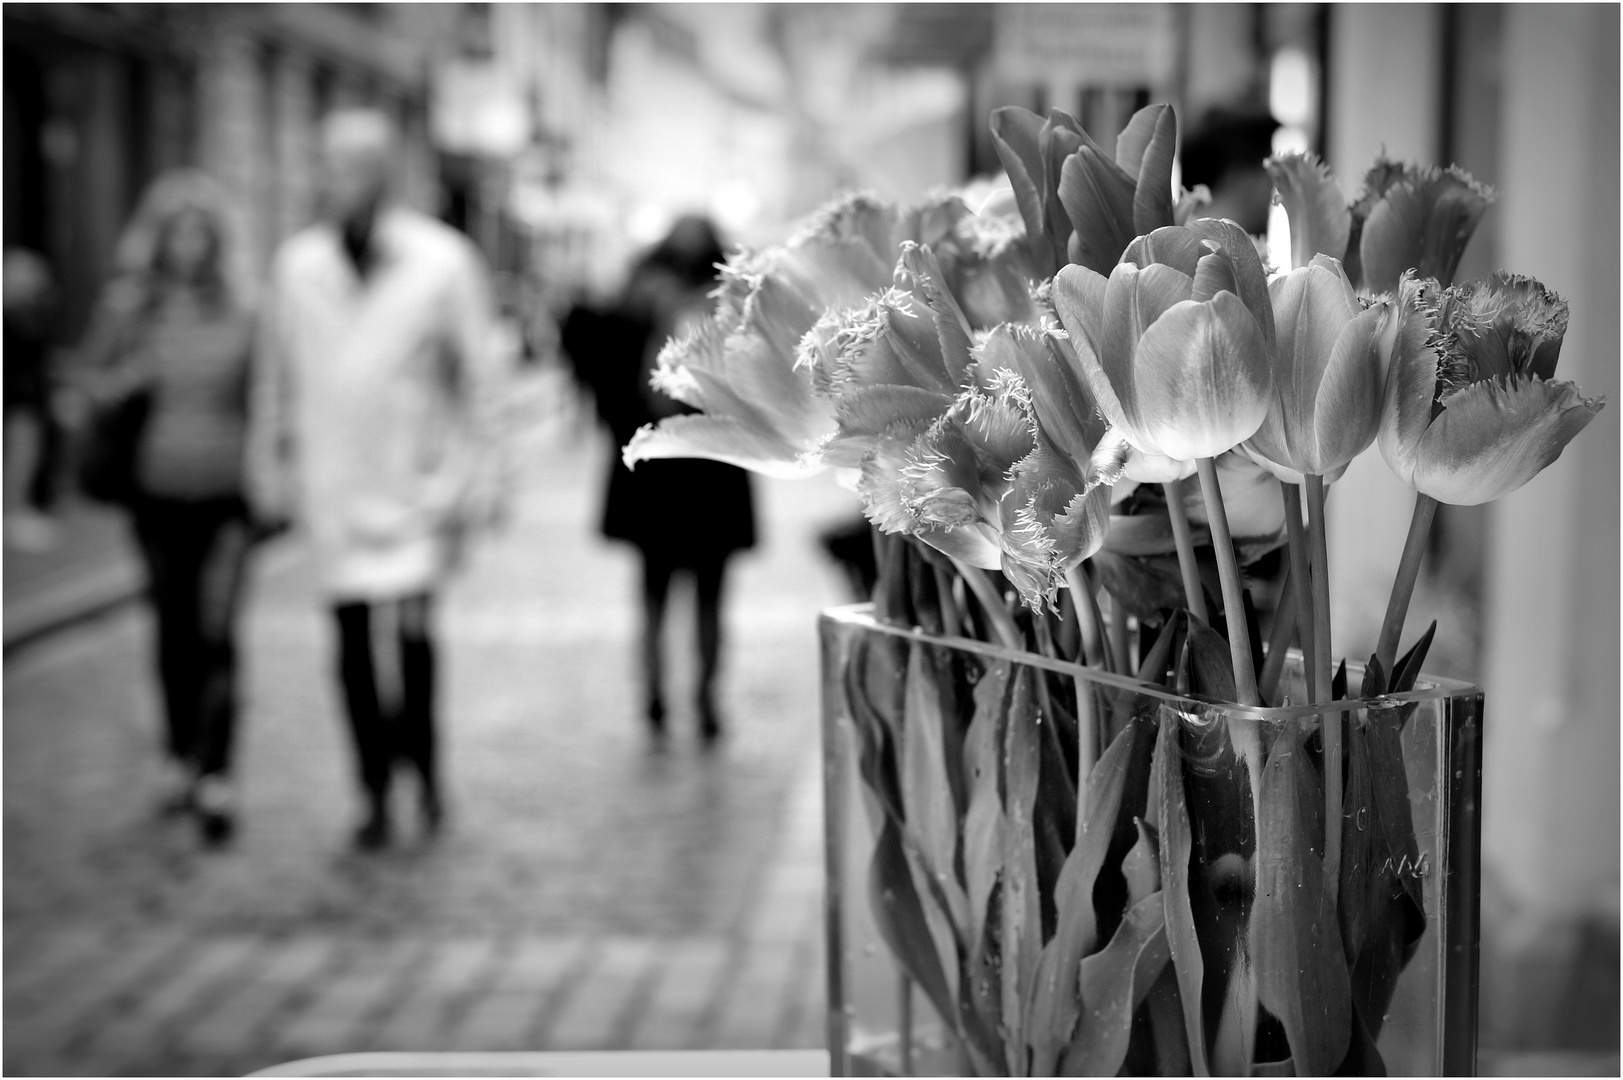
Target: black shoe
column 373, row 835
column 709, row 722
column 433, row 811
column 656, row 716
column 216, row 809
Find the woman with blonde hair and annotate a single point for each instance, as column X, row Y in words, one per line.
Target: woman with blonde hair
column 172, row 335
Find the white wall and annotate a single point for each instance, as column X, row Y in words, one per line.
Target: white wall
column 1551, row 672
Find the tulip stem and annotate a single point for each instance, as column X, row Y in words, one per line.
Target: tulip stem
column 952, row 622
column 1301, row 580
column 1332, row 720
column 1397, row 609
column 1228, row 573
column 1087, row 614
column 1194, row 595
column 1120, row 635
column 1279, row 640
column 998, row 615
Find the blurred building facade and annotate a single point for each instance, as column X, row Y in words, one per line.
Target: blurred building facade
column 99, row 98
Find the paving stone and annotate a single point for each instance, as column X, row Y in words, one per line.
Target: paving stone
column 424, row 1019
column 122, row 968
column 336, row 1018
column 579, row 861
column 163, row 1003
column 597, row 1007
column 241, row 1015
column 684, row 991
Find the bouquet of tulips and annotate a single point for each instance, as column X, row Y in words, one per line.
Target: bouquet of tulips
column 1082, row 420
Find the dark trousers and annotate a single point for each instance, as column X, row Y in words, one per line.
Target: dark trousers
column 709, row 575
column 195, row 553
column 403, row 730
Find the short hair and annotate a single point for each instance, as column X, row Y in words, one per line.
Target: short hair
column 365, row 129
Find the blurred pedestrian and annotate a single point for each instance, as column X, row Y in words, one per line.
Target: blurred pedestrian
column 683, row 516
column 1225, row 151
column 172, row 336
column 30, row 290
column 377, row 386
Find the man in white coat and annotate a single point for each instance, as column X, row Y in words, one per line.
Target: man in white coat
column 374, row 424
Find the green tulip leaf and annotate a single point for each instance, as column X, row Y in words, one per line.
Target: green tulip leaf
column 1149, row 534
column 983, row 823
column 1142, row 867
column 1177, row 845
column 1114, row 983
column 1146, row 588
column 1055, row 1006
column 1235, row 1045
column 1022, row 912
column 927, row 792
column 900, row 918
column 1295, row 944
column 1408, row 667
column 1382, row 903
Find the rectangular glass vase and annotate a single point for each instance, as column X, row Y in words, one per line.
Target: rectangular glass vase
column 977, row 923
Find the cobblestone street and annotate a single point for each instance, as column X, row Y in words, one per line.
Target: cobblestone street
column 590, row 891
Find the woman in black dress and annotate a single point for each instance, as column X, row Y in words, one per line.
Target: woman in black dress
column 684, row 515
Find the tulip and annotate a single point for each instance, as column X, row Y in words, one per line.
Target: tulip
column 1476, row 413
column 944, row 485
column 1176, row 345
column 1472, row 408
column 1057, row 512
column 1331, row 355
column 1111, row 201
column 1406, row 218
column 892, row 366
column 739, row 367
column 1080, row 204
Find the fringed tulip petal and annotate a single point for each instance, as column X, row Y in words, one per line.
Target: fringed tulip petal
column 720, row 438
column 951, row 327
column 1320, row 222
column 1065, row 410
column 1494, row 436
column 1202, row 379
column 1406, row 412
column 1421, row 223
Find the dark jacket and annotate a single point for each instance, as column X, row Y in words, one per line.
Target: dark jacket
column 690, row 511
